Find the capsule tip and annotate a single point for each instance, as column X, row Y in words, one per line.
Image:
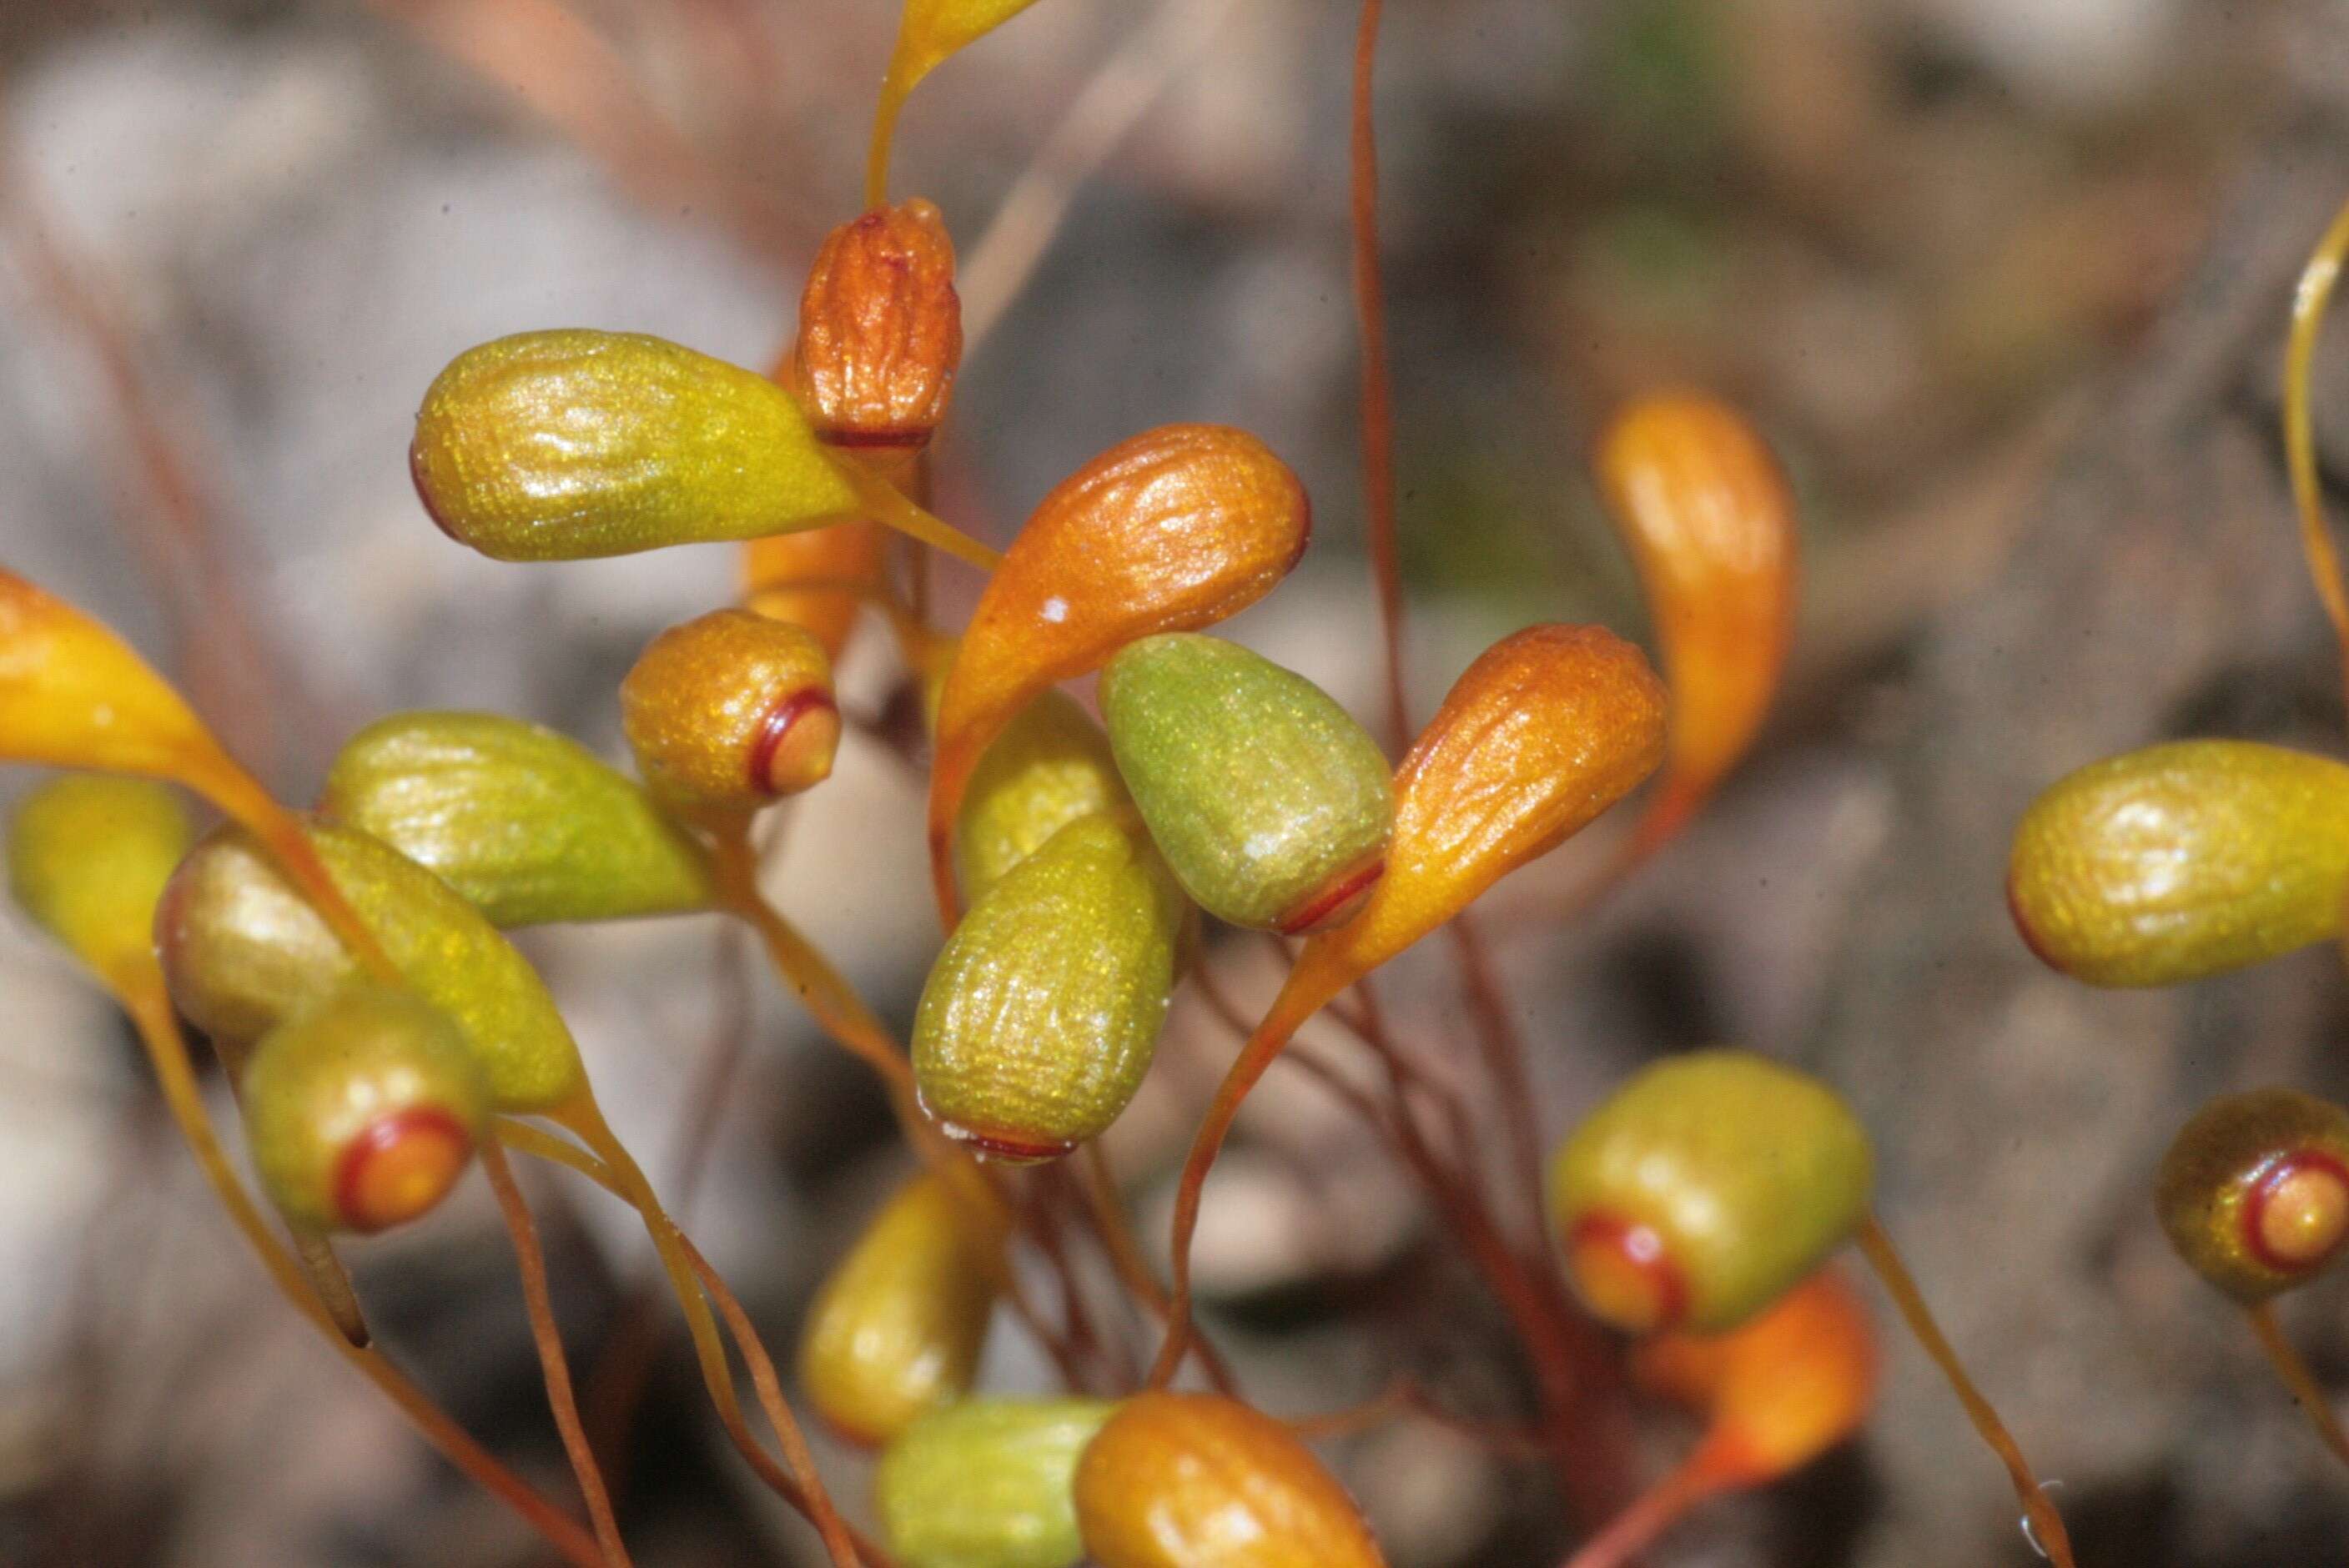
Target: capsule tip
column 796, row 744
column 400, row 1166
column 1623, row 1273
column 2298, row 1213
column 1335, row 901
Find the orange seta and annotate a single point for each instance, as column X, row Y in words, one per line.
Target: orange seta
column 1546, row 729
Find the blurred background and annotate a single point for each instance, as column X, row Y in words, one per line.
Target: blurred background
column 2004, row 280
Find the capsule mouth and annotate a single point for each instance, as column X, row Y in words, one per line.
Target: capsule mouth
column 1336, row 902
column 1624, row 1275
column 796, row 743
column 424, row 491
column 2296, row 1215
column 1004, row 1149
column 876, row 438
column 2024, row 928
column 400, row 1166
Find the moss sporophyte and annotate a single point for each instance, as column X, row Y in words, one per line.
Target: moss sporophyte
column 385, row 1039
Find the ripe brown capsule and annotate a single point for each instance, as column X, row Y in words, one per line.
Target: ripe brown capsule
column 1041, row 1014
column 2254, row 1191
column 1197, row 1480
column 897, row 1328
column 730, row 711
column 363, row 1112
column 2182, row 860
column 880, row 330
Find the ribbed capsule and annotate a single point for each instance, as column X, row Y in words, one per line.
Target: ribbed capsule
column 244, row 953
column 1271, row 803
column 572, row 444
column 1197, row 1480
column 1043, row 1008
column 2182, row 860
column 1173, row 530
column 2254, row 1191
column 363, row 1112
column 880, row 330
column 1704, row 1189
column 987, row 1484
column 730, row 711
column 526, row 823
column 897, row 1328
column 1709, row 524
column 89, row 854
column 817, row 579
column 1050, row 766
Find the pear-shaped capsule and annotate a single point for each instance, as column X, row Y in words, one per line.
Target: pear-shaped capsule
column 1043, row 1009
column 817, row 579
column 2181, row 860
column 89, row 854
column 571, row 444
column 730, row 711
column 2254, row 1192
column 987, row 1484
column 244, row 953
column 880, row 330
column 363, row 1112
column 525, row 822
column 1197, row 1480
column 1703, row 1190
column 1050, row 766
column 1271, row 803
column 1173, row 530
column 897, row 1328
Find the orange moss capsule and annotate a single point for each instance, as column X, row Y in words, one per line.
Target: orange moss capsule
column 1197, row 1480
column 1775, row 1395
column 364, row 1111
column 2182, row 860
column 88, row 855
column 817, row 579
column 897, row 1328
column 1173, row 530
column 2254, row 1191
column 880, row 332
column 730, row 711
column 1706, row 514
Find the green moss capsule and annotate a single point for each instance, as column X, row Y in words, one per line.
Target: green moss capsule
column 1050, row 766
column 525, row 822
column 1043, row 1009
column 987, row 1484
column 898, row 1325
column 1271, row 803
column 2182, row 860
column 565, row 445
column 1705, row 1189
column 364, row 1111
column 89, row 854
column 2254, row 1192
column 244, row 953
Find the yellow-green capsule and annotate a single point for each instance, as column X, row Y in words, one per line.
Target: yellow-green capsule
column 898, row 1327
column 363, row 1112
column 1050, row 766
column 244, row 953
column 2181, row 860
column 525, row 822
column 1705, row 1189
column 569, row 444
column 89, row 854
column 987, row 1483
column 1043, row 1009
column 1271, row 803
column 2254, row 1192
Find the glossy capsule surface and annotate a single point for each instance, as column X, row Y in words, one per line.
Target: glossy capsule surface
column 986, row 1483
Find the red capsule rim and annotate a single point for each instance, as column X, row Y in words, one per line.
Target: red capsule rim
column 1641, row 1247
column 778, row 726
column 2262, row 1190
column 1324, row 907
column 382, row 1135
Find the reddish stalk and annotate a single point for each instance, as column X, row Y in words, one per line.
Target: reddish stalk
column 1377, row 380
column 553, row 1364
column 1099, row 1185
column 2306, row 1391
column 1702, row 1475
column 1405, row 1397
